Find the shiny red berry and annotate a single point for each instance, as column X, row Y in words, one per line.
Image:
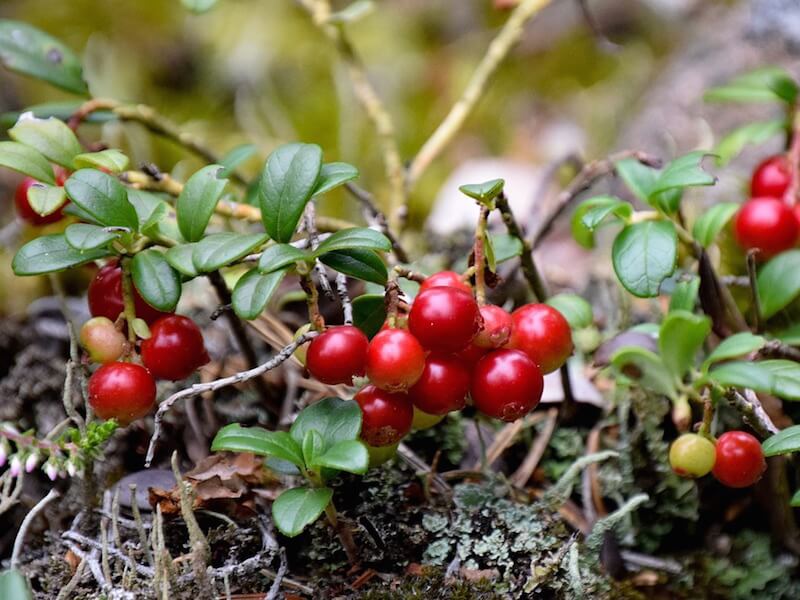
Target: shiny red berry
column 771, row 178
column 395, row 360
column 105, row 296
column 338, row 355
column 443, row 386
column 506, row 385
column 740, row 459
column 767, row 224
column 445, row 279
column 471, row 354
column 122, row 391
column 102, row 340
column 385, row 416
column 542, row 333
column 444, row 319
column 26, row 213
column 496, row 328
column 175, row 348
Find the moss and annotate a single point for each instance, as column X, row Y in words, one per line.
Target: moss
column 432, row 585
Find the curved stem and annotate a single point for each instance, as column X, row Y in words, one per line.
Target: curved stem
column 127, row 299
column 478, row 253
column 312, row 300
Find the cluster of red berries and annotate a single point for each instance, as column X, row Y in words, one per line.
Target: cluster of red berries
column 735, row 460
column 122, row 389
column 445, row 349
column 766, row 221
column 23, row 204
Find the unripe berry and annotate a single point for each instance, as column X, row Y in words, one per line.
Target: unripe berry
column 379, row 455
column 423, row 420
column 103, row 342
column 692, row 455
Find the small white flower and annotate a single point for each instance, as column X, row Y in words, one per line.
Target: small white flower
column 5, row 450
column 16, row 465
column 31, row 462
column 71, row 468
column 51, row 470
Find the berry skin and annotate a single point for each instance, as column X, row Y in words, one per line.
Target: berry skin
column 767, row 224
column 541, row 332
column 175, row 348
column 442, row 387
column 444, row 319
column 740, row 459
column 771, row 178
column 506, row 385
column 381, row 454
column 445, row 279
column 692, row 455
column 385, row 416
column 338, row 355
column 471, row 355
column 122, row 391
column 423, row 420
column 102, row 340
column 105, row 296
column 497, row 324
column 26, row 213
column 395, row 360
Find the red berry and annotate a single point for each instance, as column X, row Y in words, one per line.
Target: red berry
column 740, row 459
column 122, row 391
column 542, row 333
column 102, row 340
column 443, row 386
column 445, row 279
column 471, row 354
column 385, row 416
column 105, row 296
column 395, row 360
column 767, row 224
column 506, row 385
column 26, row 213
column 175, row 348
column 496, row 329
column 771, row 178
column 444, row 319
column 692, row 455
column 338, row 355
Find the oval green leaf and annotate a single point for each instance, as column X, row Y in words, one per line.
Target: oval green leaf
column 358, row 263
column 576, row 310
column 644, row 254
column 369, row 313
column 103, row 197
column 645, row 368
column 680, row 338
column 112, row 160
column 157, row 282
column 736, row 345
column 349, row 455
column 783, row 442
column 711, row 222
column 27, row 161
column 197, row 201
column 50, row 137
column 221, row 249
column 280, row 256
column 787, row 378
column 50, row 253
column 778, row 282
column 294, row 509
column 743, row 374
column 180, row 257
column 332, row 175
column 83, row 236
column 336, row 420
column 355, row 237
column 253, row 291
column 46, row 199
column 235, row 438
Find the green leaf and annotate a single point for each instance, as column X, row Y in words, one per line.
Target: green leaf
column 684, row 296
column 49, row 253
column 221, row 249
column 253, row 291
column 354, row 11
column 256, row 440
column 681, row 336
column 180, row 258
column 46, row 199
column 336, row 420
column 287, row 183
column 506, row 246
column 152, row 213
column 14, row 586
column 736, row 345
column 769, row 84
column 483, row 192
column 712, row 222
column 639, row 178
column 684, row 171
column 197, row 201
column 778, row 282
column 790, row 335
column 743, row 375
column 332, row 175
column 350, row 456
column 199, row 6
column 60, row 110
column 369, row 313
column 488, row 250
column 361, row 264
column 795, row 501
column 30, row 51
column 141, row 329
column 281, row 256
column 103, row 197
column 644, row 254
column 157, row 282
column 591, row 213
column 645, row 368
column 576, row 310
column 313, row 445
column 787, row 378
column 27, row 161
column 50, row 137
column 83, row 236
column 354, row 237
column 294, row 509
column 112, row 160
column 235, row 157
column 785, row 441
column 752, row 133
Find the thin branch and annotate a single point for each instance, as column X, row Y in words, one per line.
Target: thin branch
column 19, row 541
column 200, row 388
column 529, row 268
column 374, row 216
column 523, row 474
column 310, row 225
column 751, row 280
column 777, row 349
column 752, row 412
column 344, row 298
column 498, row 49
column 275, row 588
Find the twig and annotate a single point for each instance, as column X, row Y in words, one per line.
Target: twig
column 752, row 412
column 19, row 541
column 312, row 301
column 275, row 588
column 529, row 268
column 478, row 252
column 793, row 158
column 751, row 279
column 344, row 298
column 137, row 519
column 373, row 215
column 409, row 274
column 523, row 473
column 66, row 591
column 91, row 560
column 309, row 223
column 200, row 388
column 114, row 551
column 498, row 49
column 410, row 458
column 777, row 349
column 198, row 543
